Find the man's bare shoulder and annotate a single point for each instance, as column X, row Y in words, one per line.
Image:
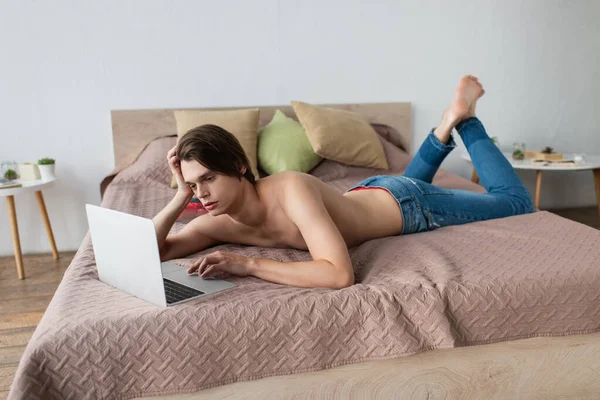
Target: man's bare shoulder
column 282, row 179
column 286, row 182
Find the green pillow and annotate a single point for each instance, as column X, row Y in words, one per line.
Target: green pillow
column 284, row 146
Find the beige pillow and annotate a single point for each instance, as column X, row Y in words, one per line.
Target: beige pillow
column 341, row 136
column 243, row 124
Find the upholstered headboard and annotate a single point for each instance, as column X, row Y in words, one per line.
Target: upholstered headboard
column 133, row 129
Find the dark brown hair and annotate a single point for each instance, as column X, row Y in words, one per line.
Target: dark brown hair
column 216, row 149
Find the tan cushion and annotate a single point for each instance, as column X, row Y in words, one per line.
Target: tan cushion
column 243, row 124
column 341, row 136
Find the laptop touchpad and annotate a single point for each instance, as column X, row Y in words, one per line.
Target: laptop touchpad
column 170, row 267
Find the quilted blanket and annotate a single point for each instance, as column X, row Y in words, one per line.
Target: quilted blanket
column 522, row 276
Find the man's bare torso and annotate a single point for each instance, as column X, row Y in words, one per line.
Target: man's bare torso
column 359, row 215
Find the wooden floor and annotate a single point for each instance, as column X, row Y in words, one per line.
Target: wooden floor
column 585, row 215
column 23, row 302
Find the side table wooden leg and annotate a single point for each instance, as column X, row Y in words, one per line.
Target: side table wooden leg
column 474, row 177
column 14, row 228
column 42, row 206
column 538, row 189
column 597, row 180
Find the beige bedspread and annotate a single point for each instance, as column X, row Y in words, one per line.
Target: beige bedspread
column 522, row 276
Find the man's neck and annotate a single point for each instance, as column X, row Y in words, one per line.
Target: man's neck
column 251, row 210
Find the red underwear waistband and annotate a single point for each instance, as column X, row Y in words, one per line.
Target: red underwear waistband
column 367, row 188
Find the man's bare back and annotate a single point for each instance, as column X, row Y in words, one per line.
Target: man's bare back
column 360, row 216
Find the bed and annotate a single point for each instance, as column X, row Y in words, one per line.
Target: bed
column 500, row 308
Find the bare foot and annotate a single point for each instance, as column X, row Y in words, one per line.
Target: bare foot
column 462, row 107
column 471, row 112
column 469, row 90
column 444, row 129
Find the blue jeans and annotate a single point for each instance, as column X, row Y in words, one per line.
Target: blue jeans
column 426, row 207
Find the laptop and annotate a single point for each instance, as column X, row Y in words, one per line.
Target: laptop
column 128, row 259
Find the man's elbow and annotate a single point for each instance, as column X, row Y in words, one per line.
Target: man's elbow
column 344, row 280
column 163, row 252
column 162, row 257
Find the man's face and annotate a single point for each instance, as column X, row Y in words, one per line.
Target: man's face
column 210, row 187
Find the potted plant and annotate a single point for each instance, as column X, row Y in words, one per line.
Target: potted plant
column 10, row 174
column 518, row 155
column 518, row 151
column 46, row 166
column 548, row 150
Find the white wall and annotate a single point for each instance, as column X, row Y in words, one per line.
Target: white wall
column 65, row 64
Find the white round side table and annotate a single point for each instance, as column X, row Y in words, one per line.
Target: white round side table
column 28, row 186
column 590, row 162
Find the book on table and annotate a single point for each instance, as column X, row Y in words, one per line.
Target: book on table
column 564, row 163
column 7, row 183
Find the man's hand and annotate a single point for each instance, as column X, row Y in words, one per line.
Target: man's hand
column 175, row 165
column 219, row 264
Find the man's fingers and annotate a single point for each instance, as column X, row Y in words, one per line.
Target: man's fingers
column 205, row 263
column 172, row 162
column 206, row 271
column 210, row 270
column 172, row 156
column 202, row 264
column 174, row 165
column 193, row 267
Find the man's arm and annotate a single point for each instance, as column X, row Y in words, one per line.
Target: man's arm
column 187, row 241
column 311, row 274
column 164, row 220
column 332, row 266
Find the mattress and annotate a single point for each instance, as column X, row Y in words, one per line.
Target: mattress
column 488, row 281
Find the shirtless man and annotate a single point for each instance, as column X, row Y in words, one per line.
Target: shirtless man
column 292, row 209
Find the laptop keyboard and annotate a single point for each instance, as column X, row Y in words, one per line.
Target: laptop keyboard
column 176, row 291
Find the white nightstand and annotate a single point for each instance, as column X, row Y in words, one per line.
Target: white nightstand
column 591, row 162
column 9, row 193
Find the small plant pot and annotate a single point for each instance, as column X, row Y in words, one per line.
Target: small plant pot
column 47, row 171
